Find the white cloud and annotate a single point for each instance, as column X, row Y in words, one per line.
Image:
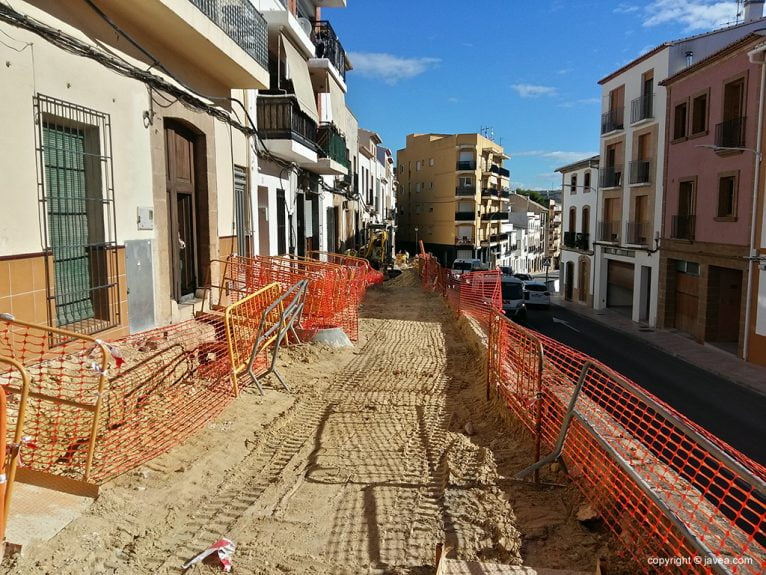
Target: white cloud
column 557, row 155
column 589, row 101
column 692, row 14
column 389, row 68
column 625, row 9
column 533, row 90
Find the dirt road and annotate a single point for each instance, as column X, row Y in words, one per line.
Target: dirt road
column 381, row 452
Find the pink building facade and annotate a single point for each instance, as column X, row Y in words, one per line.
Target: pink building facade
column 711, row 138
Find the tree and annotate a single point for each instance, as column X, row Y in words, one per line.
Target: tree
column 533, row 195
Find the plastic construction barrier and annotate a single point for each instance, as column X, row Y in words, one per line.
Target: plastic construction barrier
column 480, row 295
column 666, row 489
column 14, row 393
column 98, row 409
column 371, row 276
column 333, row 293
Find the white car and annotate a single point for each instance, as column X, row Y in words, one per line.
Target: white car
column 537, row 293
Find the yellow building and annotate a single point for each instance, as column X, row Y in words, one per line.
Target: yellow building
column 453, row 195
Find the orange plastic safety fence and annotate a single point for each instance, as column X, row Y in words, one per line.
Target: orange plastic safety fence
column 67, row 374
column 665, row 487
column 372, row 276
column 480, row 295
column 14, row 393
column 246, row 321
column 332, row 298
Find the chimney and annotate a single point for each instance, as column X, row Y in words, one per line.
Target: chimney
column 753, row 10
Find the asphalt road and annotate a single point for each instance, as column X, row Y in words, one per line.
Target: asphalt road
column 733, row 413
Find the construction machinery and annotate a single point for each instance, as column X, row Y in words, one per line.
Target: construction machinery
column 377, row 251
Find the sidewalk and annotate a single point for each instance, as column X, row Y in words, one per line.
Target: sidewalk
column 677, row 344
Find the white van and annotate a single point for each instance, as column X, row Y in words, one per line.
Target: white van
column 512, row 290
column 461, row 266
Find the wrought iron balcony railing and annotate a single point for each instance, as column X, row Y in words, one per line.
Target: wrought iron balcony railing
column 611, row 176
column 609, row 231
column 464, row 241
column 638, row 233
column 280, row 118
column 582, row 241
column 490, row 192
column 242, row 23
column 328, row 46
column 569, row 239
column 500, row 171
column 682, row 227
column 731, row 133
column 331, row 144
column 465, row 191
column 467, row 165
column 612, row 120
column 639, row 172
column 642, row 108
column 495, row 216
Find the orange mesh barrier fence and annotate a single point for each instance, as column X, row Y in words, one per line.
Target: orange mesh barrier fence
column 252, row 325
column 665, row 487
column 66, row 386
column 333, row 294
column 372, row 276
column 480, row 295
column 14, row 393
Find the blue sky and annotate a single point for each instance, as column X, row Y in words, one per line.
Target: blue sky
column 527, row 68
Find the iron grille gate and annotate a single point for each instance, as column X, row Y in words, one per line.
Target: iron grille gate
column 76, row 195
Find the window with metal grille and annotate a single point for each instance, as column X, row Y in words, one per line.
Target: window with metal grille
column 243, row 215
column 77, row 199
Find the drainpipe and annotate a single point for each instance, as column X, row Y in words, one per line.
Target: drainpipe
column 758, row 51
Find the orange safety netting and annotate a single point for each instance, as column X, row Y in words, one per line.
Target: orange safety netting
column 372, row 276
column 332, row 298
column 97, row 409
column 663, row 487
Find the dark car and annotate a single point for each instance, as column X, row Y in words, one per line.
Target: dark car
column 524, row 277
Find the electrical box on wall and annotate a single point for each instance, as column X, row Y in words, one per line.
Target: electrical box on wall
column 145, row 218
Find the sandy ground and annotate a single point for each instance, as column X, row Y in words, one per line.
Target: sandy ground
column 381, row 451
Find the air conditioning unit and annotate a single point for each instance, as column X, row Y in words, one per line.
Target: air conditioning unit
column 305, row 25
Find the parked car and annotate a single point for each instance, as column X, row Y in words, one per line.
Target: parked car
column 505, row 270
column 537, row 294
column 512, row 290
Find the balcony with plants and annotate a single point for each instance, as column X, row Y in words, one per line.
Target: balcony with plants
column 328, row 47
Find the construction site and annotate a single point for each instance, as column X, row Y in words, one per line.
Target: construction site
column 313, row 418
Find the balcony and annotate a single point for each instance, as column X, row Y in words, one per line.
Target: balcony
column 226, row 38
column 642, row 108
column 490, row 193
column 611, row 177
column 502, row 172
column 612, row 120
column 638, row 233
column 498, row 237
column 328, row 47
column 464, row 191
column 464, row 241
column 569, row 239
column 333, row 153
column 495, row 216
column 682, row 227
column 639, row 172
column 466, row 166
column 731, row 133
column 465, row 216
column 609, row 231
column 291, row 133
column 582, row 241
column 506, row 194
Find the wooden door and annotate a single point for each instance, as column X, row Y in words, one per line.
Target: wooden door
column 183, row 220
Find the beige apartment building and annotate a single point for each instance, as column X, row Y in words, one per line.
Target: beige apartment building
column 454, row 195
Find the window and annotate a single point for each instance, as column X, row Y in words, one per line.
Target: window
column 573, row 184
column 417, row 208
column 431, row 162
column 586, row 182
column 699, row 114
column 691, row 268
column 466, row 181
column 78, row 206
column 679, row 121
column 418, row 187
column 418, row 165
column 731, row 132
column 727, row 196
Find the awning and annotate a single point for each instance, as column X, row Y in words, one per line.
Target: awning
column 299, row 74
column 338, row 106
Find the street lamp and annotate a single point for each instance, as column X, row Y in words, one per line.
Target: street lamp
column 752, row 256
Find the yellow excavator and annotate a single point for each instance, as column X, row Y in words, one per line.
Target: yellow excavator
column 377, row 253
